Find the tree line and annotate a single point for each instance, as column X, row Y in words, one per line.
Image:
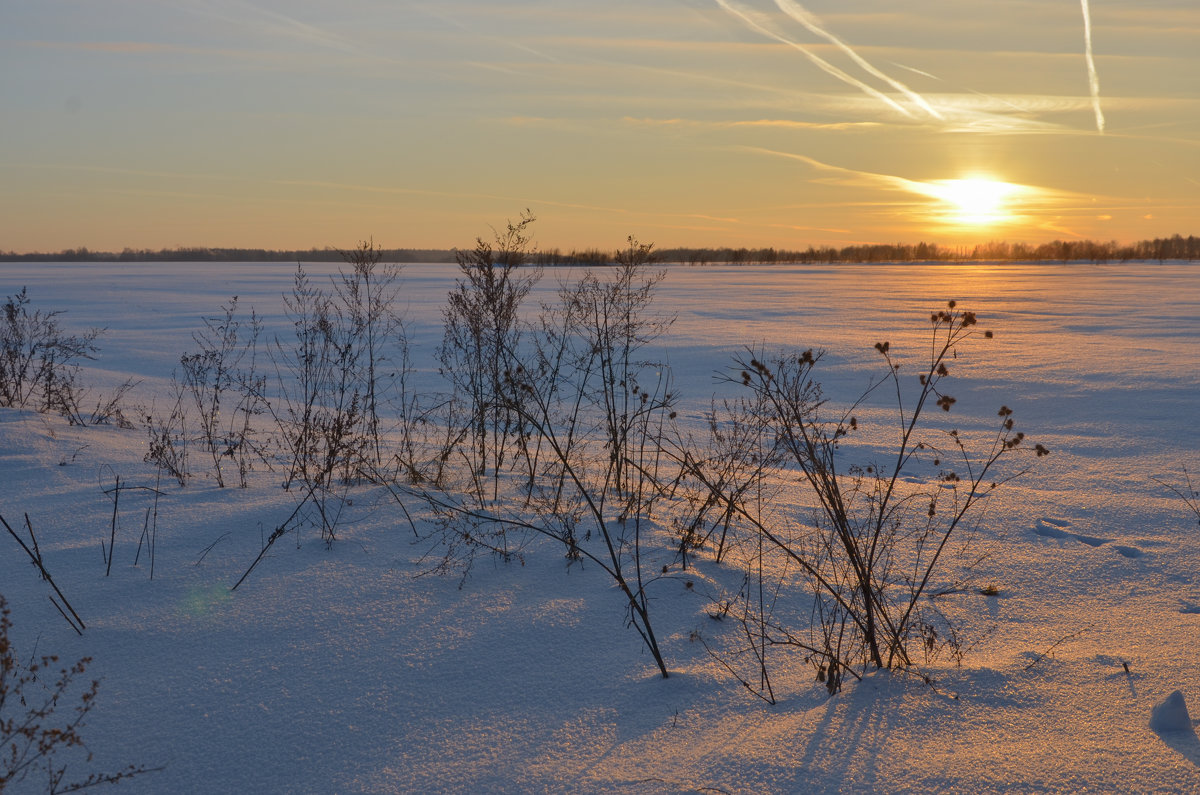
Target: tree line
column 1176, row 247
column 203, row 254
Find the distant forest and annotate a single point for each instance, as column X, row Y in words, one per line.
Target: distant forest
column 1173, row 248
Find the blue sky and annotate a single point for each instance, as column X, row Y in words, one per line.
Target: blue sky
column 718, row 122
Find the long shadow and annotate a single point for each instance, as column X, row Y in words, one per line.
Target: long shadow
column 1185, row 743
column 854, row 737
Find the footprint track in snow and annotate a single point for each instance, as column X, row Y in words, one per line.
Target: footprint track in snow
column 1057, row 528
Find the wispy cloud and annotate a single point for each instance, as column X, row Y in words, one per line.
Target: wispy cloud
column 529, row 201
column 805, row 18
column 761, row 24
column 117, row 47
column 945, row 200
column 788, row 124
column 436, row 12
column 274, row 24
column 132, row 172
column 1093, row 79
column 947, row 112
column 689, row 124
column 134, row 48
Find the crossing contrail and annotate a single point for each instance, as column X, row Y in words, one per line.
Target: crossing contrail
column 805, row 18
column 1093, row 80
column 749, row 18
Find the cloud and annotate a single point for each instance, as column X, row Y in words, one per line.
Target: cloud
column 246, row 15
column 801, row 15
column 947, row 201
column 1093, row 79
column 132, row 48
column 132, row 172
column 760, row 23
column 790, row 124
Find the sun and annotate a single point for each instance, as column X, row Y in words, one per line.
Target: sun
column 976, row 201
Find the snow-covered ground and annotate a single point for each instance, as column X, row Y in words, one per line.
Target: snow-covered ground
column 339, row 670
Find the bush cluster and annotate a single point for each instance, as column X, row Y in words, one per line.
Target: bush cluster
column 558, row 422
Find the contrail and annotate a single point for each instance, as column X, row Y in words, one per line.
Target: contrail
column 805, row 18
column 1093, row 80
column 244, row 14
column 821, row 63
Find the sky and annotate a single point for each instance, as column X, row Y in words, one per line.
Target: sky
column 314, row 123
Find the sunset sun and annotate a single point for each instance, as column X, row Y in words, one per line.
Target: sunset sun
column 976, row 201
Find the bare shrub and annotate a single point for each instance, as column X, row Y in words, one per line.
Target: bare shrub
column 481, row 339
column 585, row 417
column 168, row 437
column 719, row 474
column 368, row 294
column 36, row 738
column 39, row 361
column 610, row 322
column 875, row 542
column 320, row 399
column 110, row 409
column 224, row 370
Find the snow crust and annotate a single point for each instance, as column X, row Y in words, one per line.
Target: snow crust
column 341, row 670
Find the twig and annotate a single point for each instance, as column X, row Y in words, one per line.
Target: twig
column 1058, row 643
column 45, row 574
column 275, row 536
column 112, row 541
column 57, row 606
column 154, row 522
column 1188, row 494
column 209, row 548
column 32, row 537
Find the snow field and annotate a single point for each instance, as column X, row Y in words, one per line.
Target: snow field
column 339, row 670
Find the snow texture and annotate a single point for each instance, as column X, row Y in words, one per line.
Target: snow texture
column 341, row 670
